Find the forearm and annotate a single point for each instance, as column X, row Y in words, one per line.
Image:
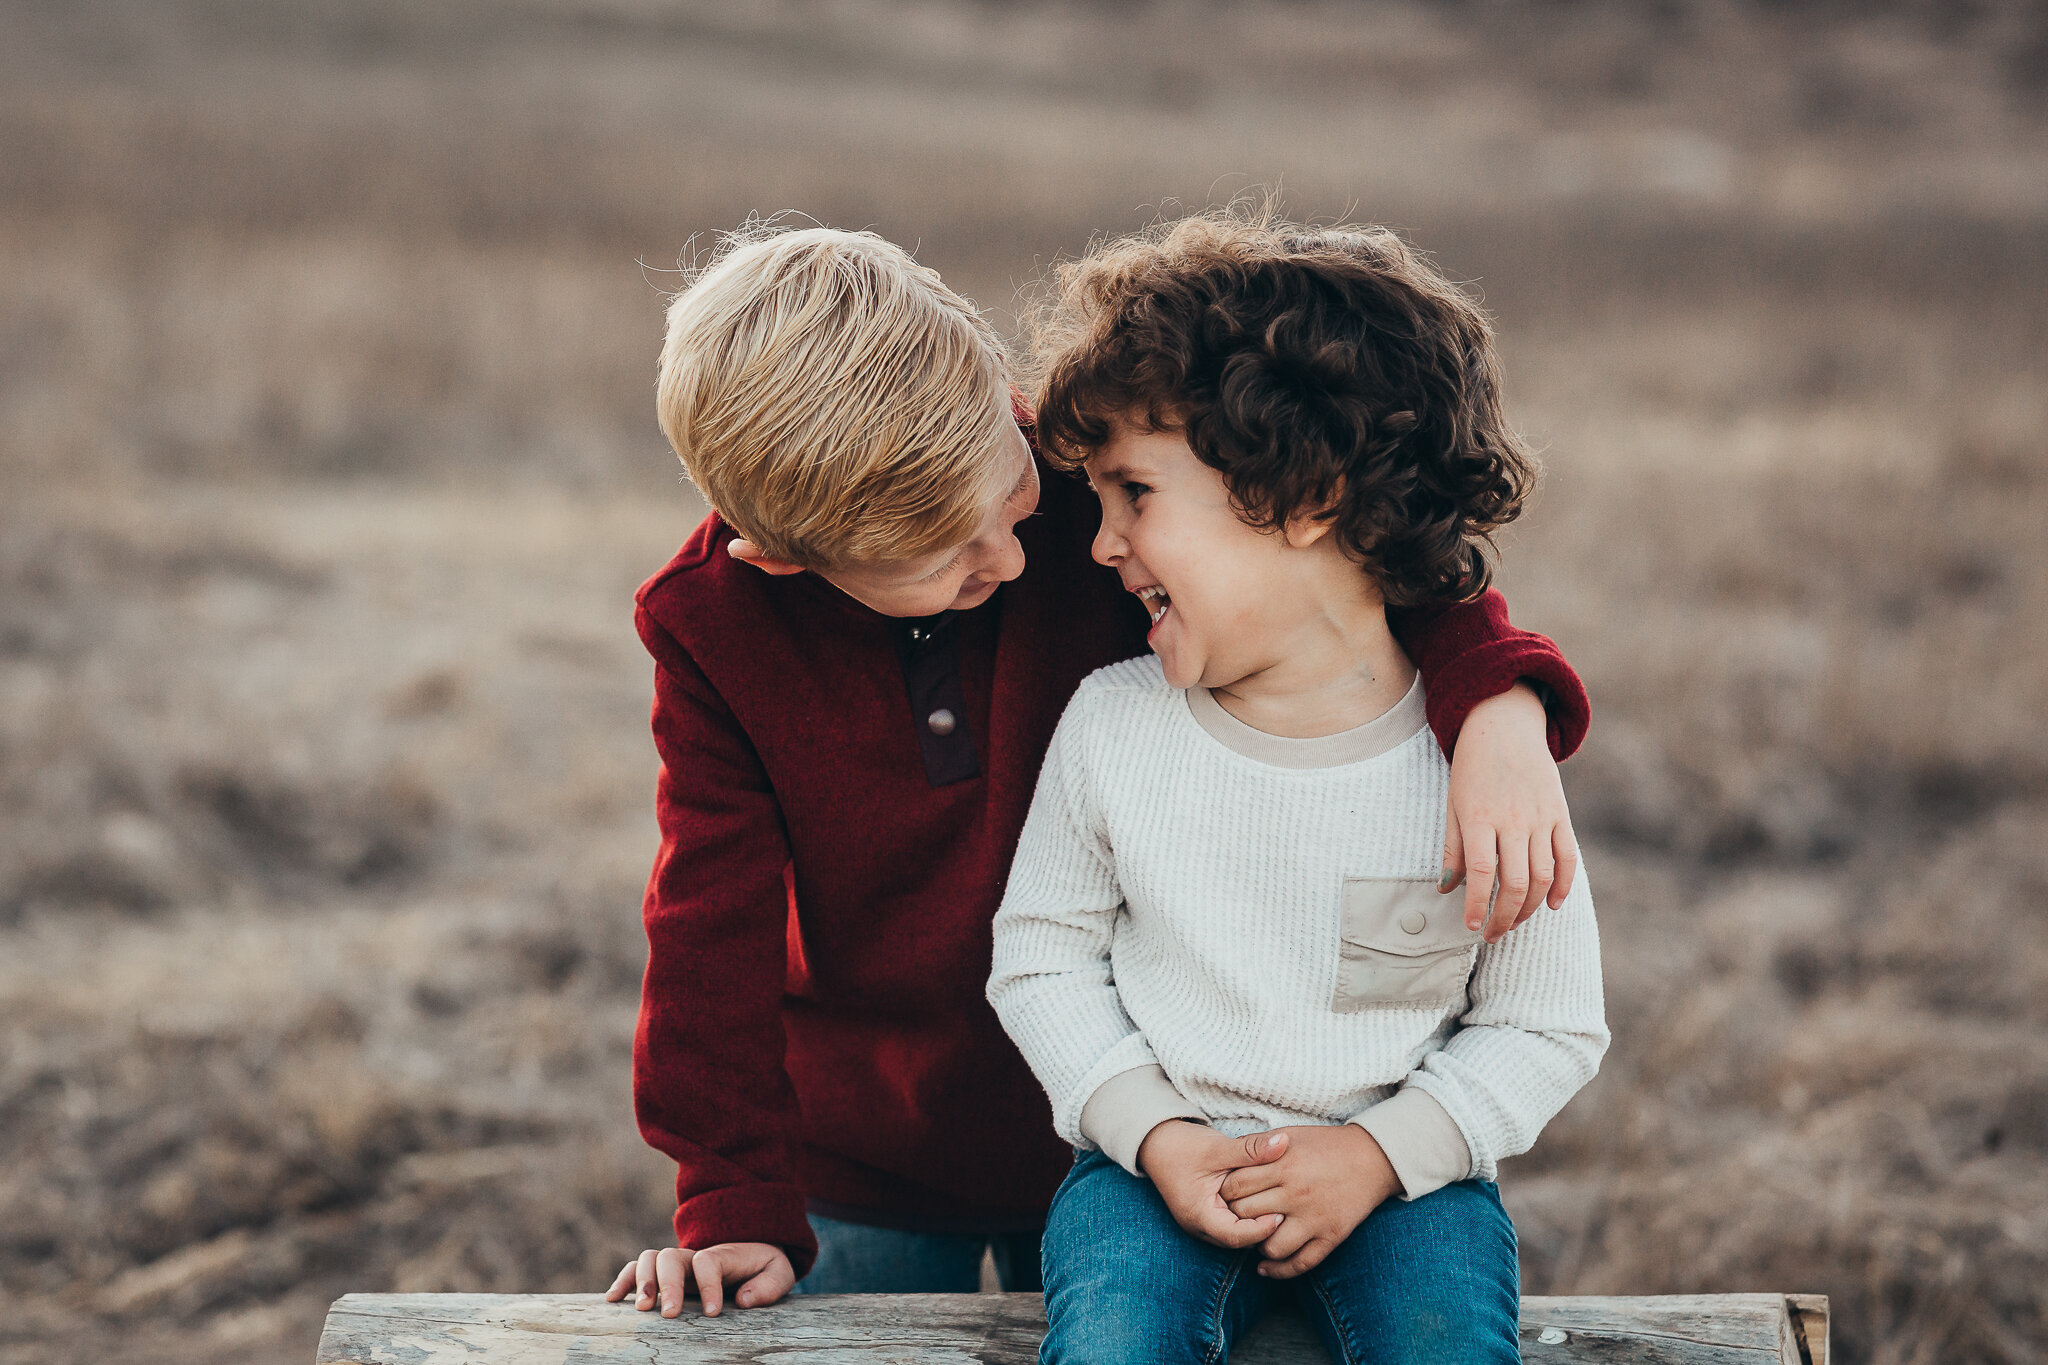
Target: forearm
column 716, row 914
column 710, row 1025
column 1531, row 1038
column 1065, row 1017
column 1050, row 981
column 1504, row 1085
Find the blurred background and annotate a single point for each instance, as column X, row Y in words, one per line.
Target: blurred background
column 328, row 468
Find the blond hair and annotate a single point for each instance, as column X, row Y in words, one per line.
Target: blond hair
column 833, row 400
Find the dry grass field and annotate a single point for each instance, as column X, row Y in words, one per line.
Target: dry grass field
column 327, row 469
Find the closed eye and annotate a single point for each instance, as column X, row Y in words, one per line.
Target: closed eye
column 944, row 568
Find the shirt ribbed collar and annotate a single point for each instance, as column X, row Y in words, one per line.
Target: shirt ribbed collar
column 1383, row 732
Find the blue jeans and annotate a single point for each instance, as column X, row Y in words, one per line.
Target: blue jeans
column 854, row 1258
column 1427, row 1280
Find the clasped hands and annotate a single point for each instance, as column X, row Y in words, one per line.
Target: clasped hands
column 1295, row 1193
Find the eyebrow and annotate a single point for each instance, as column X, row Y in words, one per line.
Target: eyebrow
column 1110, row 472
column 1022, row 479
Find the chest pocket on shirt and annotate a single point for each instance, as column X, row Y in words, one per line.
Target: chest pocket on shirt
column 1403, row 946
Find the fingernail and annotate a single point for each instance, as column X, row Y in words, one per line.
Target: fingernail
column 1443, row 883
column 1471, row 924
column 1265, row 1272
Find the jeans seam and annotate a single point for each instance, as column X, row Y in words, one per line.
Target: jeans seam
column 1343, row 1332
column 1216, row 1346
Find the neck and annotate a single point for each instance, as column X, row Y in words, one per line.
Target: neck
column 1332, row 670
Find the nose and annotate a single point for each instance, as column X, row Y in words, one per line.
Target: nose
column 1010, row 562
column 1109, row 547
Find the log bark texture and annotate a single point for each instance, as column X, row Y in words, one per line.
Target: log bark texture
column 999, row 1329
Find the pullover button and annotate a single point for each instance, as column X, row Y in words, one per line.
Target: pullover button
column 940, row 722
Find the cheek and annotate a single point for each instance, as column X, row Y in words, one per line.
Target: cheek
column 923, row 601
column 1184, row 562
column 1213, row 579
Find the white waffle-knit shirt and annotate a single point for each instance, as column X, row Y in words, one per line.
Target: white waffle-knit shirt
column 1206, row 921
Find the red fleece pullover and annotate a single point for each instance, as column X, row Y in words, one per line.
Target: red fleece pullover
column 812, row 1024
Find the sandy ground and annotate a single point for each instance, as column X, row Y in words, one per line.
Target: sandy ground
column 327, row 468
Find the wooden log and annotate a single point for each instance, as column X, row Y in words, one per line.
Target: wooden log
column 1000, row 1329
column 1810, row 1320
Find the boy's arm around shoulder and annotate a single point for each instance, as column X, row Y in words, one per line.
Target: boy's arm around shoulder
column 1508, row 825
column 1469, row 651
column 1532, row 1034
column 1051, row 983
column 709, row 1084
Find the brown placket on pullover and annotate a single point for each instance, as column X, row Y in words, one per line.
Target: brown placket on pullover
column 928, row 647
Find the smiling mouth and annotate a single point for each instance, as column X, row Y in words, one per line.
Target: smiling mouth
column 1156, row 601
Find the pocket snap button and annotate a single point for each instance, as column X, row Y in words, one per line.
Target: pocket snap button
column 1414, row 922
column 940, row 722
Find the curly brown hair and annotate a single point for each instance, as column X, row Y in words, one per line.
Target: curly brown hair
column 1327, row 372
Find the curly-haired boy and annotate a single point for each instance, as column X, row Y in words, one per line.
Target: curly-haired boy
column 860, row 657
column 1222, row 950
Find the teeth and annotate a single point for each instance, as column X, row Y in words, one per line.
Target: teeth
column 1155, row 597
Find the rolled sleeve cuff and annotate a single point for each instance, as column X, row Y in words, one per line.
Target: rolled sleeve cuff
column 769, row 1212
column 1128, row 1106
column 1421, row 1140
column 1488, row 670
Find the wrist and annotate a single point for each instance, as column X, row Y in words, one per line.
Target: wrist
column 1159, row 1143
column 1372, row 1172
column 1127, row 1107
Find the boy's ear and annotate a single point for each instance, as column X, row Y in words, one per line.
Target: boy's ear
column 1306, row 528
column 1310, row 524
column 746, row 552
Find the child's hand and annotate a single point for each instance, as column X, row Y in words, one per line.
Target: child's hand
column 1188, row 1163
column 763, row 1271
column 1508, row 815
column 1326, row 1182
